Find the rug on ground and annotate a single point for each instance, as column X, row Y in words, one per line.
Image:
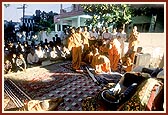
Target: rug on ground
column 60, row 81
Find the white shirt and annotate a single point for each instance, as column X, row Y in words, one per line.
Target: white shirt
column 53, row 54
column 40, row 53
column 32, row 58
column 106, row 35
column 114, row 35
column 93, row 34
column 122, row 35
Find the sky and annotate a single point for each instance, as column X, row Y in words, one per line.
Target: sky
column 14, row 14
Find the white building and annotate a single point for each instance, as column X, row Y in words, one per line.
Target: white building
column 70, row 17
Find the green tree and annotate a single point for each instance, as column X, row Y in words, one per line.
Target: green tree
column 9, row 29
column 6, row 5
column 44, row 20
column 106, row 14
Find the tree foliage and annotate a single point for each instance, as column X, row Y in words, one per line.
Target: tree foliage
column 9, row 29
column 107, row 14
column 6, row 5
column 120, row 14
column 148, row 11
column 44, row 20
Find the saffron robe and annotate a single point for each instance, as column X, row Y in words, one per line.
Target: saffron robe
column 101, row 63
column 114, row 53
column 75, row 44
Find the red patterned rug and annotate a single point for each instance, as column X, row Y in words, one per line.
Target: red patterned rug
column 60, row 81
column 73, row 93
column 45, row 82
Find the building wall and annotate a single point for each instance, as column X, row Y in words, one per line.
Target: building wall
column 83, row 22
column 74, row 22
column 153, row 43
column 152, row 39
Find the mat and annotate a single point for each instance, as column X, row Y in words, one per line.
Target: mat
column 46, row 82
column 102, row 78
column 74, row 93
column 60, row 81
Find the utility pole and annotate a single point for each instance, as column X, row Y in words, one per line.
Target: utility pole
column 23, row 7
column 23, row 12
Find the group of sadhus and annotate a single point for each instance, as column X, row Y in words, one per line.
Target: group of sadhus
column 103, row 54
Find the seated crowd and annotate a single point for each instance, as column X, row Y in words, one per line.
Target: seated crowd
column 19, row 57
column 102, row 49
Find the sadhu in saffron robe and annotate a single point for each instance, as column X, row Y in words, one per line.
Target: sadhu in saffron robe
column 75, row 44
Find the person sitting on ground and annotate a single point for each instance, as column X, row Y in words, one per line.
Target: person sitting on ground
column 46, row 51
column 65, row 53
column 21, row 63
column 27, row 48
column 19, row 48
column 100, row 63
column 40, row 53
column 59, row 50
column 88, row 56
column 54, row 55
column 13, row 61
column 33, row 59
column 7, row 66
column 127, row 62
column 103, row 49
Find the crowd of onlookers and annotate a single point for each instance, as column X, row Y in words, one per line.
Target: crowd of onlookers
column 20, row 56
